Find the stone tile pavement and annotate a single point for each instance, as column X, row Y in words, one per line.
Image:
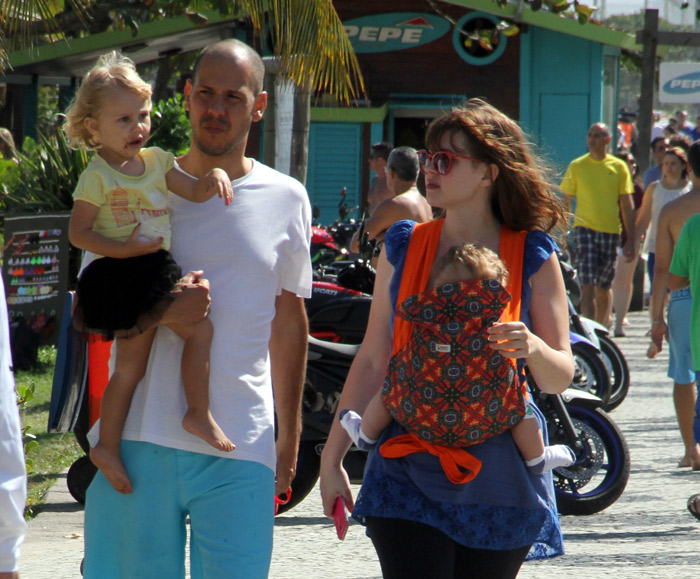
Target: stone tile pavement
column 647, row 533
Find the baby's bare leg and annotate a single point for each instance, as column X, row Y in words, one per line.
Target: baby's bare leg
column 195, row 378
column 528, row 438
column 130, row 366
column 375, row 418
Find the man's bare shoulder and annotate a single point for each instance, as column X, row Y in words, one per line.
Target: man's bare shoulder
column 675, row 213
column 683, row 206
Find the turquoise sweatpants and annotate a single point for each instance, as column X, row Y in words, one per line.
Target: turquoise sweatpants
column 142, row 535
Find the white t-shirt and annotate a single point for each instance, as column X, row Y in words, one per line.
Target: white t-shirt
column 13, row 473
column 249, row 251
column 661, row 197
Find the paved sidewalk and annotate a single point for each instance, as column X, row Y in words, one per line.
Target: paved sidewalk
column 647, row 533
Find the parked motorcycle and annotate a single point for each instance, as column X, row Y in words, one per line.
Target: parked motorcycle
column 597, row 337
column 602, row 468
column 331, row 243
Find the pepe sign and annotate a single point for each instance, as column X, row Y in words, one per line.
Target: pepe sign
column 679, row 82
column 394, row 31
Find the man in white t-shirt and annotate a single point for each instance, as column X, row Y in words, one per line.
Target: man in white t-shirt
column 255, row 256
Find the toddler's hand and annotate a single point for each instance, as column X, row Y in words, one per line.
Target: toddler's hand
column 136, row 245
column 218, row 182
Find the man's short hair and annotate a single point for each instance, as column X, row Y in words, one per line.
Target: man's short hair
column 694, row 158
column 242, row 51
column 404, row 162
column 656, row 141
column 380, row 150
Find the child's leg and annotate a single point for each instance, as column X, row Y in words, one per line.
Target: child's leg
column 195, row 378
column 365, row 430
column 130, row 366
column 538, row 458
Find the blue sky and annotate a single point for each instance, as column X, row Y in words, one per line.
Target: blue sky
column 669, row 9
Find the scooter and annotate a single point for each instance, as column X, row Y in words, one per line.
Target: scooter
column 598, row 337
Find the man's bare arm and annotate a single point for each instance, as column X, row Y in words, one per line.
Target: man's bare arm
column 288, row 343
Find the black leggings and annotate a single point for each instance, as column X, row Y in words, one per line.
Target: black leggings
column 407, row 550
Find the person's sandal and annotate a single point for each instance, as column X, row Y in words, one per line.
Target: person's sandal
column 694, row 505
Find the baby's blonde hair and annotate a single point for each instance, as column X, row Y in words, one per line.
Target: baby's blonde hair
column 480, row 261
column 111, row 70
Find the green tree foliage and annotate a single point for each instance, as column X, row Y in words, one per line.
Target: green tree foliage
column 170, row 128
column 48, row 173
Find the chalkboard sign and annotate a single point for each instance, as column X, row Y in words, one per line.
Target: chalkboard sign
column 36, row 271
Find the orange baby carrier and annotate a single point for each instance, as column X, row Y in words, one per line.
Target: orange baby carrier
column 445, row 385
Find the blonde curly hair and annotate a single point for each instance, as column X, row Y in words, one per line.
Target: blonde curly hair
column 111, row 70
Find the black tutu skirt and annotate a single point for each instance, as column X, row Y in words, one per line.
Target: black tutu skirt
column 122, row 298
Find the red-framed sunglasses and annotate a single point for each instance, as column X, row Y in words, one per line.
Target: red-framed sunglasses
column 440, row 161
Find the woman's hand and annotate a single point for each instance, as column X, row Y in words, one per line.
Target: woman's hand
column 135, row 245
column 335, row 483
column 513, row 339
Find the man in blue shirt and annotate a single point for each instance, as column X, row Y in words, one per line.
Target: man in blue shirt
column 658, row 150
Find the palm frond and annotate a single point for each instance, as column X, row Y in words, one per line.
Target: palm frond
column 308, row 35
column 313, row 48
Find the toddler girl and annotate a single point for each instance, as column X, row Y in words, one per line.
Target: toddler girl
column 120, row 217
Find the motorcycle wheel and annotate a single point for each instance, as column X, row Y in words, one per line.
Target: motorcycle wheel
column 599, row 475
column 618, row 370
column 590, row 373
column 308, row 470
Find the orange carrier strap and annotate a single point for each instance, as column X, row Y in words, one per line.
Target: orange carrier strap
column 418, row 264
column 98, row 375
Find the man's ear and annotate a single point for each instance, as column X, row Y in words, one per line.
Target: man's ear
column 188, row 94
column 259, row 106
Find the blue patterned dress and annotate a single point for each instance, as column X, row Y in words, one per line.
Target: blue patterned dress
column 504, row 507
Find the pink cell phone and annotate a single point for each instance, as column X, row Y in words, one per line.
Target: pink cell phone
column 340, row 517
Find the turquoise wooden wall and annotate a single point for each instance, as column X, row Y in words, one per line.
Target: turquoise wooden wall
column 562, row 92
column 335, row 161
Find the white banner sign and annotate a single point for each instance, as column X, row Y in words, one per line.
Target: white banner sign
column 679, row 82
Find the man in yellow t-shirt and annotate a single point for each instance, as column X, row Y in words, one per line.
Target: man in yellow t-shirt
column 602, row 186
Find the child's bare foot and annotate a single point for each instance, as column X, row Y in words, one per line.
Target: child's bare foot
column 205, row 427
column 112, row 468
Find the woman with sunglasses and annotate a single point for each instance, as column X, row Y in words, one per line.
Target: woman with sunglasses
column 480, row 171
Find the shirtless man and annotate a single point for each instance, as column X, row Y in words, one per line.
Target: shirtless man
column 407, row 202
column 680, row 365
column 378, row 188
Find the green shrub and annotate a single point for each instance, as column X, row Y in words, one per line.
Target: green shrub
column 170, row 127
column 48, row 173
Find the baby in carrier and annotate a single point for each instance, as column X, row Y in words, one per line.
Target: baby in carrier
column 447, row 386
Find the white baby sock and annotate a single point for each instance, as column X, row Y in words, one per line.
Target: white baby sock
column 553, row 457
column 351, row 421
